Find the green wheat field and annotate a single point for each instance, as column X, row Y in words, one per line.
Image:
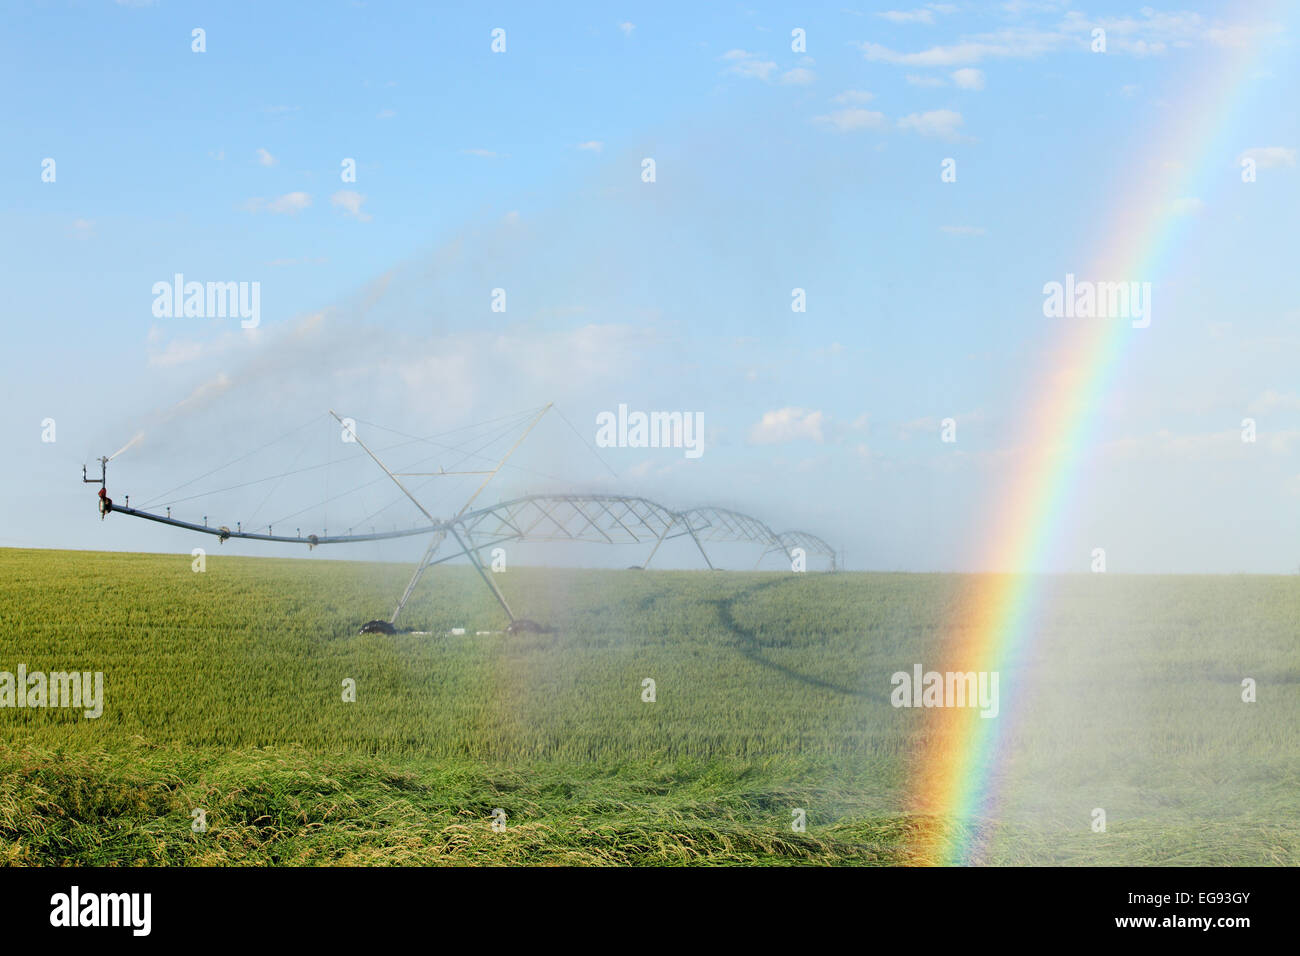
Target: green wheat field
column 224, row 693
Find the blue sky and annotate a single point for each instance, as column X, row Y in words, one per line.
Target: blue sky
column 775, row 169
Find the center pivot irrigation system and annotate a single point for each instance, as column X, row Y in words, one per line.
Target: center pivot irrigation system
column 597, row 518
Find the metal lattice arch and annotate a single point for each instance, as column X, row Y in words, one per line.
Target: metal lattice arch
column 625, row 519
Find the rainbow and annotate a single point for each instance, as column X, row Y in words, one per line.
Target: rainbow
column 955, row 774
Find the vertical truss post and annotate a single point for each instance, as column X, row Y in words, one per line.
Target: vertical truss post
column 668, row 526
column 478, row 566
column 700, row 546
column 419, row 570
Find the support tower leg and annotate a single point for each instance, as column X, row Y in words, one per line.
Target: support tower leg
column 429, row 552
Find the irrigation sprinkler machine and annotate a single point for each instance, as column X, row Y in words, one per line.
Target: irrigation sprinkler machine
column 595, row 518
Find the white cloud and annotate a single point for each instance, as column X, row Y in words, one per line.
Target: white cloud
column 1226, row 444
column 288, row 203
column 1017, row 7
column 907, row 16
column 927, row 424
column 481, row 153
column 754, row 69
column 83, row 229
column 592, row 145
column 1269, row 157
column 386, row 114
column 786, row 425
column 968, row 78
column 1008, row 43
column 265, row 158
column 848, row 120
column 931, row 424
column 1150, row 36
column 1272, row 401
column 1155, row 32
column 928, row 81
column 854, row 96
column 627, row 27
column 350, row 202
column 748, row 65
column 1152, row 33
column 935, row 56
column 797, row 77
column 938, row 123
column 1281, row 442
